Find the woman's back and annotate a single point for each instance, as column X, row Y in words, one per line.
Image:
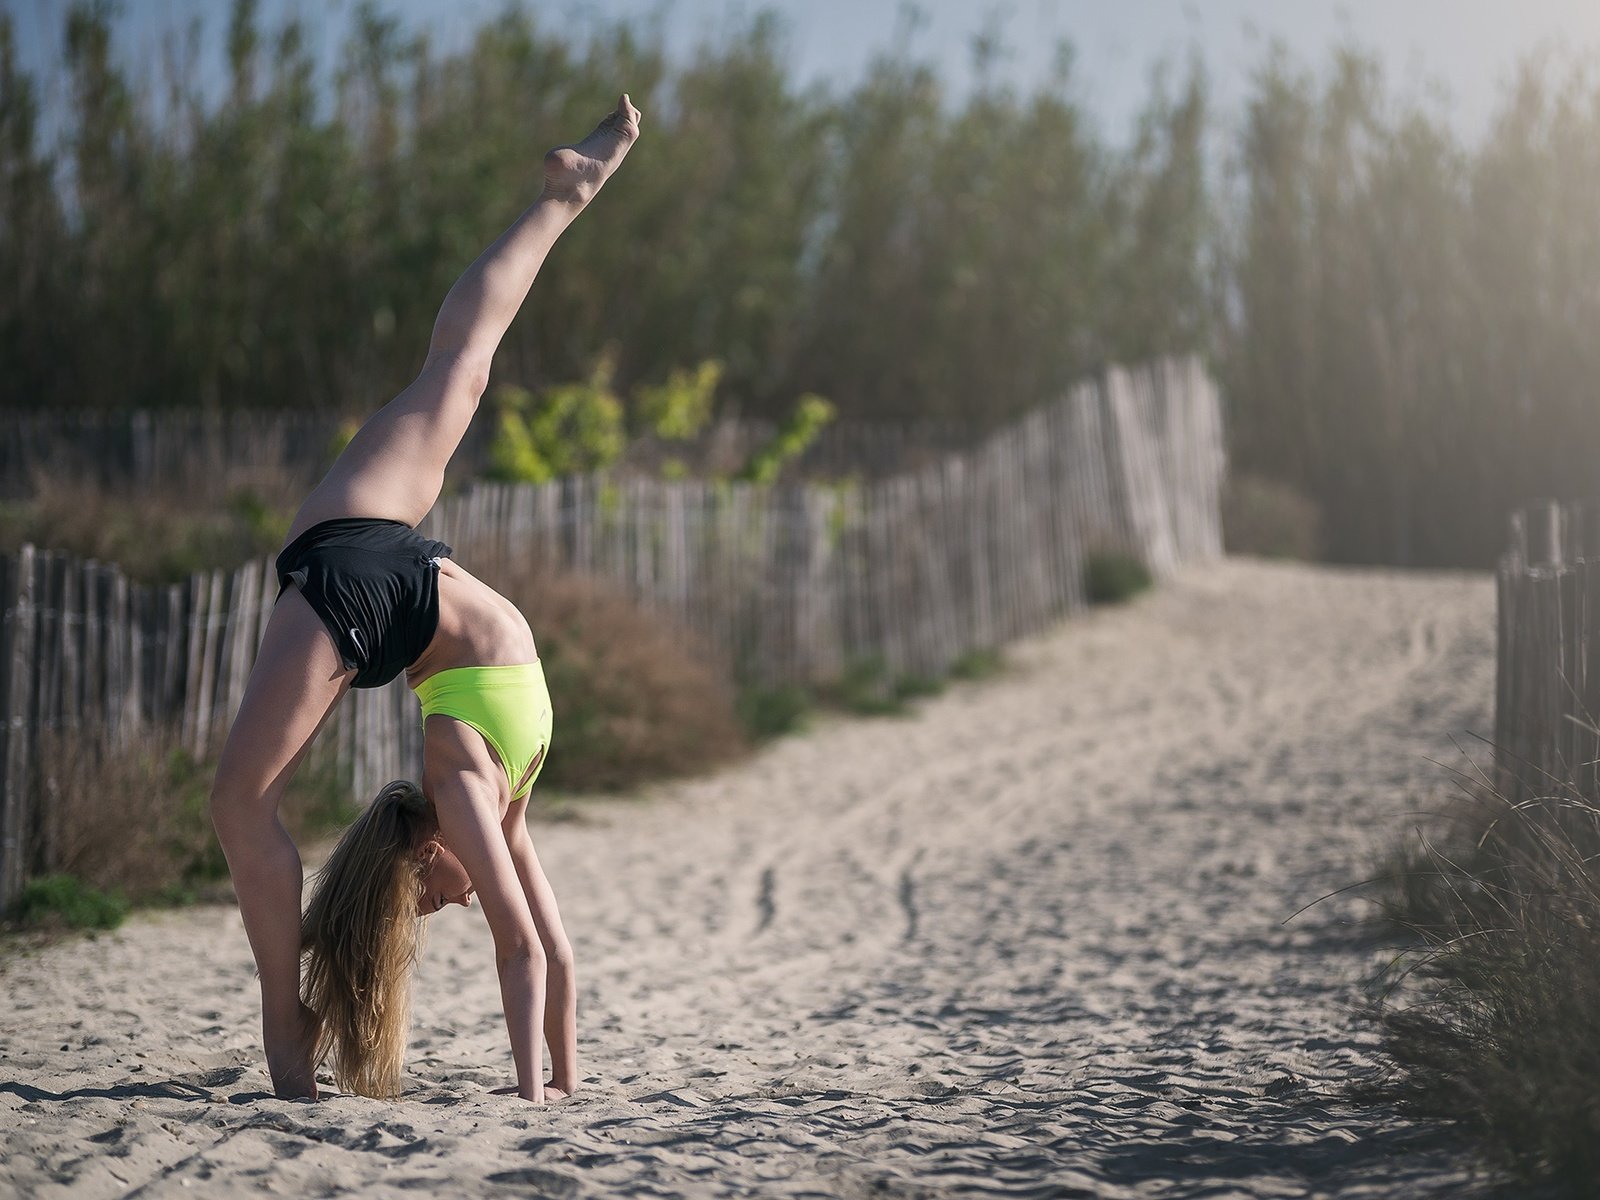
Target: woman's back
column 478, row 627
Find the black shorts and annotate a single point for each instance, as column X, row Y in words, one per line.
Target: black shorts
column 375, row 584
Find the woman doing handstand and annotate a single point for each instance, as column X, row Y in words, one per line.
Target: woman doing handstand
column 363, row 597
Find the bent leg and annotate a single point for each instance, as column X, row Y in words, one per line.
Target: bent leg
column 394, row 466
column 297, row 680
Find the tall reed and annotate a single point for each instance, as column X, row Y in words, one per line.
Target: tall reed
column 1488, row 1017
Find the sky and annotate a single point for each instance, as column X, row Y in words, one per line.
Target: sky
column 1456, row 55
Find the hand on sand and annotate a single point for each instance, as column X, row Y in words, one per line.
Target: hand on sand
column 575, row 172
column 551, row 1092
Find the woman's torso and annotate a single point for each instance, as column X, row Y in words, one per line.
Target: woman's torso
column 478, row 627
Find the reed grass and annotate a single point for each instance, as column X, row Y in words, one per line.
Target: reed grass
column 1489, row 1014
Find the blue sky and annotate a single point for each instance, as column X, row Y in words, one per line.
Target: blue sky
column 1457, row 53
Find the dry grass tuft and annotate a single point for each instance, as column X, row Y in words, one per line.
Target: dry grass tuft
column 157, row 535
column 636, row 697
column 1490, row 1019
column 134, row 821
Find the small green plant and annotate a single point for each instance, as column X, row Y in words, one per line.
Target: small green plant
column 679, row 409
column 915, row 687
column 66, row 902
column 1110, row 577
column 977, row 664
column 811, row 413
column 771, row 712
column 866, row 688
column 567, row 429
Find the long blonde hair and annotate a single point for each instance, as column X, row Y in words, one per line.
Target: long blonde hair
column 361, row 935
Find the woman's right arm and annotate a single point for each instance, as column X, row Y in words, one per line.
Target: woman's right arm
column 469, row 823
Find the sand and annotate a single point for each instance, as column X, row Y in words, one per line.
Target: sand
column 1030, row 940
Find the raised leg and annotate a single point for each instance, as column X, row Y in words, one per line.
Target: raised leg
column 394, row 466
column 297, row 680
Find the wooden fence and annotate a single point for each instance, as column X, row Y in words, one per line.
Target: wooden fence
column 120, row 450
column 1547, row 694
column 791, row 583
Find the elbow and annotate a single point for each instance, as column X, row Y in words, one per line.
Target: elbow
column 473, row 378
column 522, row 954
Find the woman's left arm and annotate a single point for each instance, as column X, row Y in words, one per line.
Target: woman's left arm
column 561, row 994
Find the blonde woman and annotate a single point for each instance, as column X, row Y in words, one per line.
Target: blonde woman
column 363, row 597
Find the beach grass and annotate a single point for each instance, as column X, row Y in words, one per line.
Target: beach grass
column 1489, row 1013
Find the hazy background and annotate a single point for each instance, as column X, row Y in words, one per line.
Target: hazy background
column 1376, row 223
column 1463, row 50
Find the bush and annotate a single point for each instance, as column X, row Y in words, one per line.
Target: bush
column 1268, row 519
column 869, row 689
column 792, row 439
column 1489, row 1019
column 866, row 689
column 770, row 712
column 136, row 821
column 65, row 902
column 568, row 429
column 636, row 698
column 1110, row 577
column 978, row 664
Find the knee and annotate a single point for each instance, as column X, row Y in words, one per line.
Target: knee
column 233, row 816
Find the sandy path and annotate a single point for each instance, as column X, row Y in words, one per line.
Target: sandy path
column 1027, row 941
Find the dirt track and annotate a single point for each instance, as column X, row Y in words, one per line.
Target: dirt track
column 1027, row 941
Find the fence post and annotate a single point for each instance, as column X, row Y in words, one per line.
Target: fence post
column 19, row 647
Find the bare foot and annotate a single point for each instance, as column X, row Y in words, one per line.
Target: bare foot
column 575, row 173
column 551, row 1092
column 295, row 1077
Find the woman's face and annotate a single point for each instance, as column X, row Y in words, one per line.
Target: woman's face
column 444, row 879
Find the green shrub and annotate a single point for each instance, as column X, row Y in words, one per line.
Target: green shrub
column 978, row 664
column 915, row 687
column 866, row 688
column 811, row 413
column 66, row 902
column 770, row 712
column 567, row 429
column 1110, row 577
column 1269, row 519
column 678, row 409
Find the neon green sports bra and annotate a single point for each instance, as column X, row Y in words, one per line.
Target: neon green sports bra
column 509, row 706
